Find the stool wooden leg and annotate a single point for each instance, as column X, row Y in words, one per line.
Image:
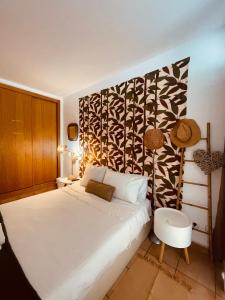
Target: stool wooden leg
column 162, row 248
column 186, row 256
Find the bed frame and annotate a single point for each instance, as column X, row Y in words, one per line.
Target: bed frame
column 111, row 274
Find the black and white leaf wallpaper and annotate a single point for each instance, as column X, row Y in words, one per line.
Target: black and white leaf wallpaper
column 113, row 123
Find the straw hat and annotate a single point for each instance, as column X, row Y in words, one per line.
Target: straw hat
column 153, row 139
column 185, row 133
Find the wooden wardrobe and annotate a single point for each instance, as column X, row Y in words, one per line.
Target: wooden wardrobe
column 29, row 136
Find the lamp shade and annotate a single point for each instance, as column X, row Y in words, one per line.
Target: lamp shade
column 62, row 148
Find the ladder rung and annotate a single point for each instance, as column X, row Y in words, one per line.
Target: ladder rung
column 202, row 231
column 198, row 206
column 195, row 183
column 203, row 139
column 189, row 160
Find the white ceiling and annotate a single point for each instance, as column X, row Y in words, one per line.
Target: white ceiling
column 62, row 46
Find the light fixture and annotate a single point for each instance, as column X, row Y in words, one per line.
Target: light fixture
column 62, row 148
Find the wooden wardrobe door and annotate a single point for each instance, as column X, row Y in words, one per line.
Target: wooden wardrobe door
column 44, row 140
column 15, row 141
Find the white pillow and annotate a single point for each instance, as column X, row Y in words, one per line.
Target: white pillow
column 142, row 194
column 93, row 173
column 128, row 187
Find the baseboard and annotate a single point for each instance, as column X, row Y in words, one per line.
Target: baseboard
column 27, row 192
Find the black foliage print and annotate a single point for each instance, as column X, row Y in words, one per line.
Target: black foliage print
column 113, row 123
column 116, row 117
column 171, row 106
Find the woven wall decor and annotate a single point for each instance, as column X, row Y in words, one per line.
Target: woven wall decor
column 113, row 123
column 209, row 162
column 153, row 139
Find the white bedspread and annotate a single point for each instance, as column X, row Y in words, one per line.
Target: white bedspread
column 65, row 238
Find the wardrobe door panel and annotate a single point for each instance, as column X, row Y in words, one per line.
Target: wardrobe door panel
column 15, row 141
column 44, row 116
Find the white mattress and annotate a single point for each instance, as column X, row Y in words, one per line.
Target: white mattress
column 64, row 239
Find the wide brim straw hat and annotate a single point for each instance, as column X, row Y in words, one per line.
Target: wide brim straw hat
column 186, row 133
column 153, row 139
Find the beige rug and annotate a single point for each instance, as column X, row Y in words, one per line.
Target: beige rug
column 167, row 288
column 147, row 280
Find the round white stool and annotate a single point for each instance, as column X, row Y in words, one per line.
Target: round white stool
column 173, row 228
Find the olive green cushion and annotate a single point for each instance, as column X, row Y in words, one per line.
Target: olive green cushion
column 104, row 191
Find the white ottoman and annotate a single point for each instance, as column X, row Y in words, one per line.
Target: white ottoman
column 173, row 228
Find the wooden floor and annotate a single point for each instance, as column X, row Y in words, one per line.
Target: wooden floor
column 202, row 277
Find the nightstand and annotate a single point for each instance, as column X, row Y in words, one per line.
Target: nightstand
column 63, row 181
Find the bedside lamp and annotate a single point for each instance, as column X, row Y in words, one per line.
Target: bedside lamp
column 62, row 148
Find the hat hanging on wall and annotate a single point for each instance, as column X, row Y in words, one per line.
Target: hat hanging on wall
column 186, row 133
column 153, row 139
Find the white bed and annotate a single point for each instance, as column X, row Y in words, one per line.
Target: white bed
column 71, row 244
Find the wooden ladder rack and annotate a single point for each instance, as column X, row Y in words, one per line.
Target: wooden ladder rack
column 209, row 187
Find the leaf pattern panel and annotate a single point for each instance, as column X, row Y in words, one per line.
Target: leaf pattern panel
column 149, row 123
column 104, row 127
column 95, row 128
column 116, row 117
column 84, row 138
column 171, row 100
column 86, row 123
column 138, row 126
column 128, row 128
column 113, row 123
column 81, row 131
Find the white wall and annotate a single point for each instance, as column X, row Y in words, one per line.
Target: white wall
column 206, row 102
column 70, row 115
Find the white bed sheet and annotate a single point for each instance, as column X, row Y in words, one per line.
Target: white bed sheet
column 64, row 239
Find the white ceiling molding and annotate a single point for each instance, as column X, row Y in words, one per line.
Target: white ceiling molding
column 29, row 89
column 64, row 46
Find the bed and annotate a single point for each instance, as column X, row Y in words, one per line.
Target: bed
column 71, row 244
